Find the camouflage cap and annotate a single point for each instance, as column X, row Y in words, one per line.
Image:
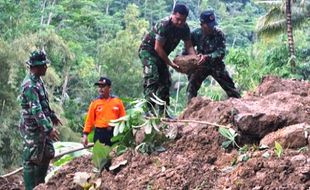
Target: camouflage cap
column 208, row 17
column 37, row 58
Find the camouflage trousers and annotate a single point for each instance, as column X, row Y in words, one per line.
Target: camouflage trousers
column 218, row 72
column 37, row 152
column 157, row 78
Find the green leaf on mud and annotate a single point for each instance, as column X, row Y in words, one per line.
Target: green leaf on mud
column 226, row 144
column 230, row 134
column 121, row 149
column 100, row 155
column 148, row 128
column 63, row 160
column 278, row 149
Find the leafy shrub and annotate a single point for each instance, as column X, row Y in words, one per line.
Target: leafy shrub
column 125, row 129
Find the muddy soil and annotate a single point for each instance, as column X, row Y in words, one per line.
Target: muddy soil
column 196, row 160
column 12, row 182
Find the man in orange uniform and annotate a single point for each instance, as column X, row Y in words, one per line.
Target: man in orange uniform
column 101, row 111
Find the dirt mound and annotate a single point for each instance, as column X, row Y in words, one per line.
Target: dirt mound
column 291, row 172
column 12, row 182
column 272, row 84
column 196, row 160
column 275, row 104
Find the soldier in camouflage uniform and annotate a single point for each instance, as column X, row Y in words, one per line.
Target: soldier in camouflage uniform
column 210, row 45
column 36, row 122
column 154, row 51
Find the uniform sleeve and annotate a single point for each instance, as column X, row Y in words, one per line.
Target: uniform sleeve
column 122, row 111
column 160, row 32
column 32, row 97
column 194, row 42
column 194, row 38
column 90, row 119
column 186, row 33
column 219, row 53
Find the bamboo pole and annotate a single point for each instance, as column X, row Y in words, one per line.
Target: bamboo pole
column 56, row 157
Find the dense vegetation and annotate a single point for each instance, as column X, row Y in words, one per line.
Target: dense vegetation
column 89, row 38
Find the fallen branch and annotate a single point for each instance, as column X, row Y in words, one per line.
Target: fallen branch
column 12, row 173
column 74, row 150
column 56, row 157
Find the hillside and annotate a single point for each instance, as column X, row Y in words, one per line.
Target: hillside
column 279, row 109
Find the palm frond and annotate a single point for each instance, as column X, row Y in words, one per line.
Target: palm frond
column 272, row 29
column 274, row 22
column 273, row 16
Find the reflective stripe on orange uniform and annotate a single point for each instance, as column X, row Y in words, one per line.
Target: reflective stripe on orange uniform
column 102, row 111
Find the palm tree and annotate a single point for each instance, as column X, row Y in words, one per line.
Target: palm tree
column 281, row 17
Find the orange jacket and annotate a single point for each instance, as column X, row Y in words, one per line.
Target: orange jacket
column 102, row 111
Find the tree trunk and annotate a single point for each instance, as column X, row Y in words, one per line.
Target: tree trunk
column 43, row 9
column 64, row 87
column 50, row 14
column 107, row 9
column 290, row 33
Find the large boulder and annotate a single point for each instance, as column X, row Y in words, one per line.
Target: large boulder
column 277, row 103
column 187, row 63
column 293, row 136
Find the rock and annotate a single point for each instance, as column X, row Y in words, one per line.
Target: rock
column 272, row 84
column 299, row 160
column 257, row 117
column 187, row 64
column 289, row 137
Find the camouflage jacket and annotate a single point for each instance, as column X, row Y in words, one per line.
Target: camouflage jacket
column 166, row 32
column 33, row 99
column 212, row 45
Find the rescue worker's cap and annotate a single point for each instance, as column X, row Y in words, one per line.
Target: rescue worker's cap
column 181, row 8
column 208, row 17
column 104, row 81
column 37, row 58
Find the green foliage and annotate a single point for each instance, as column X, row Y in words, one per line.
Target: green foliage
column 238, row 57
column 126, row 43
column 274, row 21
column 230, row 134
column 61, row 147
column 90, row 38
column 278, row 150
column 63, row 160
column 213, row 91
column 101, row 155
column 247, row 74
column 127, row 127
